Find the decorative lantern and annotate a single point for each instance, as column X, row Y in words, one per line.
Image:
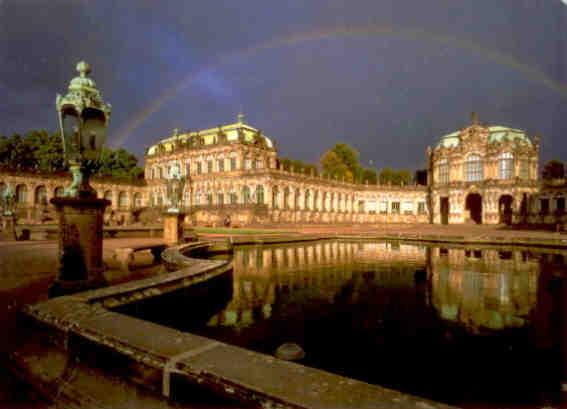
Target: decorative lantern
column 175, row 185
column 8, row 201
column 83, row 120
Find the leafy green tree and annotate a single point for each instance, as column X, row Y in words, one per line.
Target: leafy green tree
column 334, row 167
column 369, row 175
column 41, row 151
column 553, row 169
column 389, row 176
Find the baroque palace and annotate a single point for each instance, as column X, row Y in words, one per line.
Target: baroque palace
column 479, row 174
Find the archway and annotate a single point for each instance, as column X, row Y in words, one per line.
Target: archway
column 505, row 209
column 473, row 204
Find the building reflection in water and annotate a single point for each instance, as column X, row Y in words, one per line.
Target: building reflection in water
column 467, row 326
column 484, row 289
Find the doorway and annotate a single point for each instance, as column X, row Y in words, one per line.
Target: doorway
column 473, row 204
column 505, row 209
column 444, row 210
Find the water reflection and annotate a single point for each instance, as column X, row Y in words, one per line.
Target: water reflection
column 483, row 289
column 467, row 326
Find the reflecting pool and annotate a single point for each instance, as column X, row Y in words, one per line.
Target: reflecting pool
column 475, row 327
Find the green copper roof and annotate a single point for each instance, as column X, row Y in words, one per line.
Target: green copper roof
column 496, row 134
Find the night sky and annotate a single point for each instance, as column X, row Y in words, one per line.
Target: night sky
column 387, row 76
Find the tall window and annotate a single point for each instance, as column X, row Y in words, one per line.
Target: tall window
column 41, row 195
column 232, row 163
column 209, row 198
column 524, row 169
column 209, row 166
column 138, row 199
column 395, row 207
column 245, row 195
column 233, row 197
column 473, row 168
column 259, row 163
column 220, row 165
column 306, row 200
column 220, row 198
column 122, row 199
column 421, row 207
column 260, row 194
column 199, row 168
column 506, row 166
column 443, row 171
column 187, row 168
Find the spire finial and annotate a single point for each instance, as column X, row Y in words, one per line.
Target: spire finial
column 240, row 117
column 474, row 118
column 83, row 68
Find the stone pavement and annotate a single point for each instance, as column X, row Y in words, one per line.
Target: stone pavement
column 26, row 271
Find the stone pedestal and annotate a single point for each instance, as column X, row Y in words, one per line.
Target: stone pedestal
column 80, row 245
column 173, row 228
column 8, row 228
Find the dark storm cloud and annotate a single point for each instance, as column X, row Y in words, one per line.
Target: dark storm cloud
column 388, row 76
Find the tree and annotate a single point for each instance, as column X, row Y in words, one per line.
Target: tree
column 333, row 166
column 369, row 175
column 40, row 151
column 554, row 169
column 389, row 176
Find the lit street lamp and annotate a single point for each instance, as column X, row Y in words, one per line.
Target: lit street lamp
column 83, row 120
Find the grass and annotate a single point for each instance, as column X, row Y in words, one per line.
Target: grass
column 225, row 230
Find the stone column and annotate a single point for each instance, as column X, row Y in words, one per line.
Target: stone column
column 173, row 228
column 80, row 245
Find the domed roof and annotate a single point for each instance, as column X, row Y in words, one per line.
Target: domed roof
column 496, row 133
column 232, row 132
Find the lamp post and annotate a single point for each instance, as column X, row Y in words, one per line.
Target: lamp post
column 8, row 199
column 83, row 121
column 174, row 216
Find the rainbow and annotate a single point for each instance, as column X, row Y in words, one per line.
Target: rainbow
column 498, row 57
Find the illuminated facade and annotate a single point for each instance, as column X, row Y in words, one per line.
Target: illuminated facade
column 234, row 170
column 482, row 174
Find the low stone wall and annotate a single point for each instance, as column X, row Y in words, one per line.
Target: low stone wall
column 162, row 359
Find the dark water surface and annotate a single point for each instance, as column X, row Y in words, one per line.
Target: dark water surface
column 474, row 327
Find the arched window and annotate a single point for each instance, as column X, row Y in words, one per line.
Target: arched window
column 245, row 194
column 21, row 194
column 443, row 171
column 247, row 163
column 108, row 195
column 233, row 197
column 259, row 163
column 220, row 198
column 220, row 165
column 123, row 199
column 296, row 199
column 40, row 195
column 209, row 198
column 198, row 198
column 287, row 192
column 260, row 194
column 306, row 199
column 187, row 168
column 159, row 199
column 59, row 191
column 138, row 200
column 506, row 166
column 232, row 163
column 473, row 168
column 316, row 200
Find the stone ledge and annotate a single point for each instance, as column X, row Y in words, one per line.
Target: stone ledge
column 154, row 354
